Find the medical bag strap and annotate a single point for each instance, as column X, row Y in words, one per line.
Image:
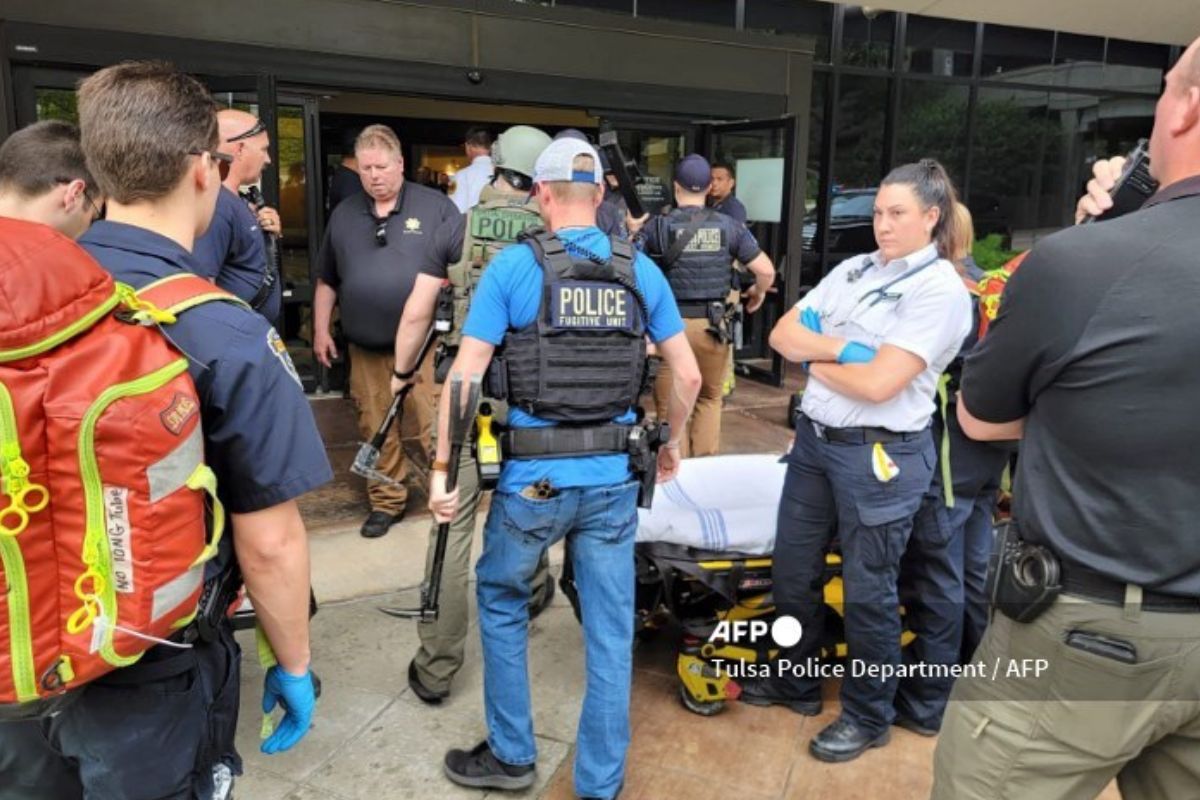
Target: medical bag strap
column 944, row 456
column 684, row 239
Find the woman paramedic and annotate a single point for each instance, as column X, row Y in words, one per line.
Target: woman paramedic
column 875, row 336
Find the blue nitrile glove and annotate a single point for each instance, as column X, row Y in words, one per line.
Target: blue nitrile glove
column 297, row 695
column 855, row 353
column 811, row 319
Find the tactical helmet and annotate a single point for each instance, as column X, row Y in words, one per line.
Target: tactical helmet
column 517, row 148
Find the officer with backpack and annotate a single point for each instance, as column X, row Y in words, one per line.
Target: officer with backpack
column 460, row 251
column 147, row 701
column 563, row 292
column 696, row 248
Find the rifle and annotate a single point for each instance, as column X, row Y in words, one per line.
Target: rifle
column 626, row 171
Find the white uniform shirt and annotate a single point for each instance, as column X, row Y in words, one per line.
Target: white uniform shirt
column 469, row 182
column 927, row 313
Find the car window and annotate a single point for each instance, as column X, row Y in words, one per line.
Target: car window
column 854, row 205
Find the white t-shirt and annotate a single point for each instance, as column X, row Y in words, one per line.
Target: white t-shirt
column 926, row 312
column 469, row 182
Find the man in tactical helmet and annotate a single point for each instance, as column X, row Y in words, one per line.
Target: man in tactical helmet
column 566, row 313
column 458, row 253
column 696, row 247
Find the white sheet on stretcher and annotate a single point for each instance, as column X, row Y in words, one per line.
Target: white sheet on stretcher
column 718, row 503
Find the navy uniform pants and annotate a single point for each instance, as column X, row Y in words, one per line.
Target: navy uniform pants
column 832, row 488
column 151, row 731
column 944, row 570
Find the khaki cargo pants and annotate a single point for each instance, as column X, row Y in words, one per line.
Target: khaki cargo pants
column 703, row 434
column 1086, row 719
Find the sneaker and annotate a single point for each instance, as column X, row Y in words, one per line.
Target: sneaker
column 378, row 523
column 845, row 740
column 479, row 769
column 427, row 696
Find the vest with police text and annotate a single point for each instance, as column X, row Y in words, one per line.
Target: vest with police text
column 583, row 359
column 702, row 269
column 492, row 225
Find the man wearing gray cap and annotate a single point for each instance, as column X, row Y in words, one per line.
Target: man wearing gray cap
column 564, row 292
column 696, row 248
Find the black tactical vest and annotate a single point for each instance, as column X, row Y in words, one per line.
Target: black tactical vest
column 695, row 257
column 583, row 358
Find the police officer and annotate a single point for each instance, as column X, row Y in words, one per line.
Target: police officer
column 460, row 251
column 877, row 333
column 368, row 264
column 696, row 248
column 239, row 251
column 164, row 727
column 720, row 194
column 944, row 570
column 566, row 288
column 611, row 216
column 1099, row 317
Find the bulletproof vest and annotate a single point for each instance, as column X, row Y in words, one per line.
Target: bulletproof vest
column 583, row 358
column 492, row 225
column 698, row 266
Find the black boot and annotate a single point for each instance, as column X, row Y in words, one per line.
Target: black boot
column 773, row 691
column 844, row 740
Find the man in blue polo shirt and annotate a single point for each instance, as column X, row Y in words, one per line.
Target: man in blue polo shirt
column 164, row 727
column 602, row 296
column 233, row 252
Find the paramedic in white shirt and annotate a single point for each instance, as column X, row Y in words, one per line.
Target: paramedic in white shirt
column 470, row 180
column 875, row 336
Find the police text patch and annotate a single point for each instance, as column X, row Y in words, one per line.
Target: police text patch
column 706, row 240
column 501, row 224
column 598, row 306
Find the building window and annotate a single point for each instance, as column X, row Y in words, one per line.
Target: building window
column 867, row 37
column 1078, row 61
column 1017, row 54
column 58, row 104
column 713, row 12
column 1134, row 66
column 795, row 17
column 939, row 46
column 934, row 125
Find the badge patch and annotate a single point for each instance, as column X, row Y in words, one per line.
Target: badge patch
column 176, row 415
column 597, row 306
column 412, row 225
column 279, row 350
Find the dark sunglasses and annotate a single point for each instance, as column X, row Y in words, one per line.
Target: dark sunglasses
column 97, row 211
column 381, row 232
column 216, row 155
column 258, row 128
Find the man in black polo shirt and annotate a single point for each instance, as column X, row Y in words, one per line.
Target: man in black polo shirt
column 371, row 256
column 1093, row 362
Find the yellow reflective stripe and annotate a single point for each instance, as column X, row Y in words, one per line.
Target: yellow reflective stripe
column 192, row 302
column 96, row 554
column 58, row 337
column 204, row 478
column 20, row 637
column 947, row 475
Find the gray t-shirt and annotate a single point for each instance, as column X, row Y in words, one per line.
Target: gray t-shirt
column 1097, row 345
column 374, row 279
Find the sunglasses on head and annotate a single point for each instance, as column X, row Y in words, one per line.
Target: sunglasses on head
column 258, row 128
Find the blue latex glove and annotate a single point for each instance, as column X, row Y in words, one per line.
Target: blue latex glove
column 855, row 353
column 811, row 319
column 298, row 697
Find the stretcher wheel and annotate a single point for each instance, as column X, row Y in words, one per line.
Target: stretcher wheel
column 708, row 709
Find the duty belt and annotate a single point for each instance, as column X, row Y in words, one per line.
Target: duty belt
column 1091, row 585
column 698, row 309
column 562, row 441
column 865, row 435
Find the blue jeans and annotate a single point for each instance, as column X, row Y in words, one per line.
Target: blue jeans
column 599, row 523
